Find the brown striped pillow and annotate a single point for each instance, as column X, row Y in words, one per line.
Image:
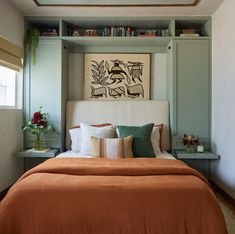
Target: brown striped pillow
column 112, row 148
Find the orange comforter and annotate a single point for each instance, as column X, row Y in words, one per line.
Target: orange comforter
column 101, row 196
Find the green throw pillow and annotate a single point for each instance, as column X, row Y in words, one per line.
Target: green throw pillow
column 142, row 145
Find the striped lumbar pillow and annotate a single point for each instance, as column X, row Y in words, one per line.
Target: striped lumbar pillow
column 112, row 148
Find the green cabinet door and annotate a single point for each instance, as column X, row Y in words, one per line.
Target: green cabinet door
column 44, row 83
column 189, row 94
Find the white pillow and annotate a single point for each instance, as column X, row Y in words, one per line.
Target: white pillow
column 76, row 139
column 89, row 131
column 155, row 139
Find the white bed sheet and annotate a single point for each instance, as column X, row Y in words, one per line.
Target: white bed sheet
column 71, row 154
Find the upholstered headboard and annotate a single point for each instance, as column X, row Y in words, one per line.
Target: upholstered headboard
column 119, row 112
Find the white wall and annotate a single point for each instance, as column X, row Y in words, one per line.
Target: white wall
column 10, row 143
column 12, row 23
column 11, row 140
column 223, row 96
column 158, row 82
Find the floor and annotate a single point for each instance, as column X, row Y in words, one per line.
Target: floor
column 229, row 214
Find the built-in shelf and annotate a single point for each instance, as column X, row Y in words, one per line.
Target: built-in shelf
column 191, row 38
column 173, row 25
column 119, row 41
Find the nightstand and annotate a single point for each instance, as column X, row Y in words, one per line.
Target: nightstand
column 32, row 158
column 198, row 161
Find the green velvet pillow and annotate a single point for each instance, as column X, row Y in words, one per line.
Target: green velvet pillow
column 142, row 145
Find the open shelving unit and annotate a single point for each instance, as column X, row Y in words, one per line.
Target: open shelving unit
column 172, row 25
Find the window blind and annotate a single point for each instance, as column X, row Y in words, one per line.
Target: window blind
column 11, row 55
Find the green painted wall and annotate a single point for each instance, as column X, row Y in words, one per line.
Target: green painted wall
column 189, row 90
column 46, row 87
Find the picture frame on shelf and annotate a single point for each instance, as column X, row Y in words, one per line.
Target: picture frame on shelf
column 116, row 76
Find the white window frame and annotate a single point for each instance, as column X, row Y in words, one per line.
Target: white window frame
column 14, row 106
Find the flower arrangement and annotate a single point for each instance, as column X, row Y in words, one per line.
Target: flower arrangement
column 190, row 141
column 37, row 125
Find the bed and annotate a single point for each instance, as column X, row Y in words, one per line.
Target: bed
column 82, row 195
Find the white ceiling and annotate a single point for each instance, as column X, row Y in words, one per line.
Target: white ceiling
column 29, row 8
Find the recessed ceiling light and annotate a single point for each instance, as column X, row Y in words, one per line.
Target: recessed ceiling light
column 78, row 3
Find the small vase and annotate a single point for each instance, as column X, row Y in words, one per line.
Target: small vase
column 190, row 148
column 38, row 142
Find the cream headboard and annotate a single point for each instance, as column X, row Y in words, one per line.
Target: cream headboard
column 119, row 112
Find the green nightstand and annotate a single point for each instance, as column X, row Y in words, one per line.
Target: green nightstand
column 32, row 158
column 198, row 161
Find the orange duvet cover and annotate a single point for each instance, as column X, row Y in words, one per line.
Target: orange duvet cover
column 101, row 196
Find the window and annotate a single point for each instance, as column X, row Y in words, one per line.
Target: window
column 7, row 87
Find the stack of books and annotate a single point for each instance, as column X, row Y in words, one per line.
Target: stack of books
column 118, row 32
column 50, row 33
column 191, row 32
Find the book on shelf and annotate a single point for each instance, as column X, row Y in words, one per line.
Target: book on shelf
column 118, row 32
column 189, row 35
column 189, row 31
column 50, row 34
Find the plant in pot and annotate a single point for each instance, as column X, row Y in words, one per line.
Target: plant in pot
column 39, row 124
column 31, row 41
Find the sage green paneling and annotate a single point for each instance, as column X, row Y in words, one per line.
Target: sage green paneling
column 172, row 28
column 170, row 81
column 189, row 92
column 45, row 88
column 110, row 49
column 64, row 90
column 192, row 87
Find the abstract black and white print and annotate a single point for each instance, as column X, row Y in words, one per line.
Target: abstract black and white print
column 117, row 76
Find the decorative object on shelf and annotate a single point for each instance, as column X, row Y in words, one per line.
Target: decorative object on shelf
column 76, row 32
column 200, row 148
column 37, row 125
column 90, row 33
column 50, row 33
column 31, row 40
column 44, row 150
column 190, row 141
column 117, row 76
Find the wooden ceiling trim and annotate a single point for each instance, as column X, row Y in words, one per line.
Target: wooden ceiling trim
column 119, row 5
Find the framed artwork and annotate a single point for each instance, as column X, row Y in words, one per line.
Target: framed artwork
column 116, row 76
